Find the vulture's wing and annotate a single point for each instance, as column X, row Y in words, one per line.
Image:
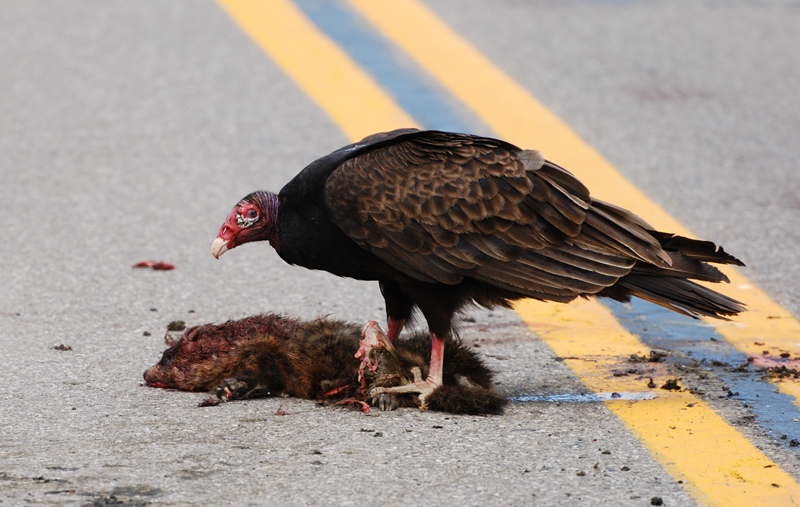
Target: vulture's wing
column 440, row 207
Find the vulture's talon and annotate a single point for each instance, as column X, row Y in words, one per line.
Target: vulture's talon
column 424, row 387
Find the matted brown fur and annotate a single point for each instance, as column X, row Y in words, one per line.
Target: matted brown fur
column 267, row 355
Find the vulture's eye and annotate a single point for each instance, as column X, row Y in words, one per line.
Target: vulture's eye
column 252, row 213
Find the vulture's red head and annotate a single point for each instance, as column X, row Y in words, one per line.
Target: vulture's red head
column 254, row 218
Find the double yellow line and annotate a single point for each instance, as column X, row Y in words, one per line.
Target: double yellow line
column 681, row 431
column 319, row 67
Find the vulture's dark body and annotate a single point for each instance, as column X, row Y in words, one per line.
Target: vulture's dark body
column 308, row 235
column 487, row 227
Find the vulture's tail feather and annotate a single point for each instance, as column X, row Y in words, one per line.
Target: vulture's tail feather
column 681, row 295
column 695, row 249
column 672, row 287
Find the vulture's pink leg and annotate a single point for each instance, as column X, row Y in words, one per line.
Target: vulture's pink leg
column 395, row 326
column 437, row 361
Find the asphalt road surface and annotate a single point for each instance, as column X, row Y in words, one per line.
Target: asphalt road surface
column 129, row 129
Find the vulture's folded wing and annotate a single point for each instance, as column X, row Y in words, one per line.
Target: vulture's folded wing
column 440, row 207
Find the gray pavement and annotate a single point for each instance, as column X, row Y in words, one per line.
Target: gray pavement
column 129, row 129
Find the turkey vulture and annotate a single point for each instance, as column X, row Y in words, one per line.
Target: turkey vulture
column 442, row 220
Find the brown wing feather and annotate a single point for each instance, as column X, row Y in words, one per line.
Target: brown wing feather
column 440, row 207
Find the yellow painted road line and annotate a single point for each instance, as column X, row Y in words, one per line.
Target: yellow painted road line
column 518, row 117
column 691, row 440
column 326, row 73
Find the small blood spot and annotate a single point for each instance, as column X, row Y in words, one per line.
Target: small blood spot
column 158, row 266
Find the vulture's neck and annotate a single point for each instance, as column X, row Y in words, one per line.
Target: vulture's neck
column 268, row 202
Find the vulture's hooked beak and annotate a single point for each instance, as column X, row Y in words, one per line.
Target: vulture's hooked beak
column 219, row 247
column 227, row 234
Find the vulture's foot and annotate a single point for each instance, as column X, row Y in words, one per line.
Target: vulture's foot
column 383, row 377
column 423, row 387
